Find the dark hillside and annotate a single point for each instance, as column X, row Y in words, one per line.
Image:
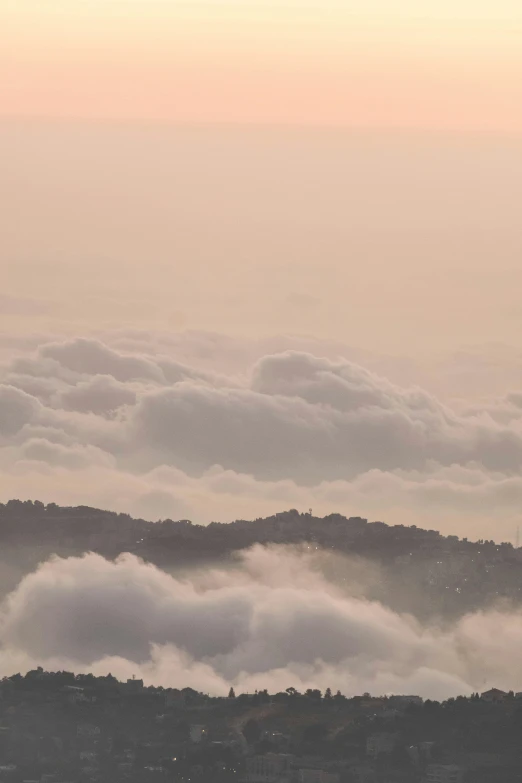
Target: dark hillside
column 420, row 571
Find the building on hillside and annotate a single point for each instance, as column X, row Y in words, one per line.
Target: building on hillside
column 76, row 695
column 270, row 768
column 370, row 702
column 388, row 713
column 198, row 733
column 420, row 754
column 494, row 695
column 443, row 773
column 134, row 686
column 404, row 701
column 383, row 742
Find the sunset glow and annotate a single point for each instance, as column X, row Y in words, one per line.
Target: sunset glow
column 452, row 65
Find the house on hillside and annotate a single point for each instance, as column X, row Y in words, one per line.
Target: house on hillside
column 383, row 742
column 270, row 768
column 494, row 695
column 133, row 686
column 198, row 734
column 399, row 701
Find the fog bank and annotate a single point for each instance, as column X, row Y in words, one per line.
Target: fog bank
column 273, row 622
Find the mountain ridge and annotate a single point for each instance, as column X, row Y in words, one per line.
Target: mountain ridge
column 413, row 570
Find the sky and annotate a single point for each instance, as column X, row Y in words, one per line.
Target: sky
column 445, row 64
column 262, row 255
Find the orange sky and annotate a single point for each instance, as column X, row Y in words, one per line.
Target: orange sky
column 378, row 62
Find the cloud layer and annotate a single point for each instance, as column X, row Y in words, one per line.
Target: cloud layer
column 273, row 621
column 203, row 426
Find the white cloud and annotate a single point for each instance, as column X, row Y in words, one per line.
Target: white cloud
column 132, row 426
column 16, row 410
column 101, row 394
column 311, row 420
column 272, row 622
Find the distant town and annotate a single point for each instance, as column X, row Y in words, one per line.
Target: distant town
column 420, row 571
column 66, row 728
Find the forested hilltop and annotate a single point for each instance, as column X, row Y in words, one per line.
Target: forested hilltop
column 411, row 569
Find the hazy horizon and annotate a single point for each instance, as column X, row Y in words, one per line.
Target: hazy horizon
column 218, row 248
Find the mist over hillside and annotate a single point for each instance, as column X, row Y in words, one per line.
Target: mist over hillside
column 451, row 576
column 292, row 598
